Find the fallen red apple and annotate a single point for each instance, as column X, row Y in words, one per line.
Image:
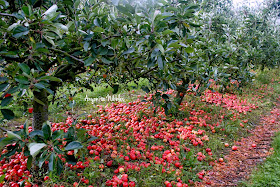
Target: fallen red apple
column 234, row 148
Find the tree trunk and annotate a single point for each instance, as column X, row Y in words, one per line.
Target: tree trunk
column 40, row 112
column 181, row 92
column 180, row 97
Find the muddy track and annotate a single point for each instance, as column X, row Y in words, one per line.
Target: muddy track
column 238, row 164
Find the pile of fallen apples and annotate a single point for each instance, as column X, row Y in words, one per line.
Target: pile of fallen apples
column 131, row 138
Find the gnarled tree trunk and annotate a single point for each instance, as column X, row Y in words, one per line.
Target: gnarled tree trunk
column 40, row 112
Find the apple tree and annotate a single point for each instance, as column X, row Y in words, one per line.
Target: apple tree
column 127, row 40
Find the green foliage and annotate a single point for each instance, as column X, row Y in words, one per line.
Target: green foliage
column 45, row 145
column 47, row 46
column 116, row 42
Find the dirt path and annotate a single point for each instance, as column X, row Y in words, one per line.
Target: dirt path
column 239, row 164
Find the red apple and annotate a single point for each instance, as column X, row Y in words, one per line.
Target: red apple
column 30, row 110
column 234, row 148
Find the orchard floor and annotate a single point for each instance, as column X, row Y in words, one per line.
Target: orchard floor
column 251, row 151
column 134, row 146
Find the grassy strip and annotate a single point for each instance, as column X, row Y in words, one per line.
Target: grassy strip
column 267, row 174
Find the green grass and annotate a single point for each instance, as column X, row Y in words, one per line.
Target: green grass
column 267, row 174
column 57, row 113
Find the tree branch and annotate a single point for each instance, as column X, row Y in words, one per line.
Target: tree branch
column 5, row 130
column 4, row 14
column 146, row 72
column 67, row 54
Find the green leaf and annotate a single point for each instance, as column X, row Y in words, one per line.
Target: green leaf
column 183, row 45
column 22, row 79
column 57, row 150
column 92, row 139
column 96, row 22
column 57, row 134
column 130, row 50
column 51, row 13
column 124, row 10
column 98, row 29
column 29, row 162
column 25, row 128
column 86, row 45
column 38, row 101
column 190, row 41
column 13, row 90
column 145, row 89
column 26, row 75
column 47, row 130
column 160, row 62
column 20, row 31
column 175, row 45
column 2, row 177
column 102, row 51
column 43, row 157
column 8, row 114
column 50, row 78
column 81, row 134
column 194, row 25
column 12, row 54
column 61, row 27
column 106, row 61
column 167, row 32
column 77, row 3
column 160, row 47
column 73, row 145
column 6, row 141
column 52, row 9
column 122, row 20
column 115, row 43
column 25, row 9
column 3, row 87
column 36, row 133
column 189, row 50
column 49, row 40
column 52, row 162
column 10, row 153
column 2, row 79
column 173, row 86
column 21, row 93
column 105, row 42
column 50, row 91
column 35, row 148
column 39, row 86
column 165, row 97
column 89, row 61
column 4, row 4
column 40, row 45
column 59, row 165
column 6, row 101
column 116, row 88
column 70, row 134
